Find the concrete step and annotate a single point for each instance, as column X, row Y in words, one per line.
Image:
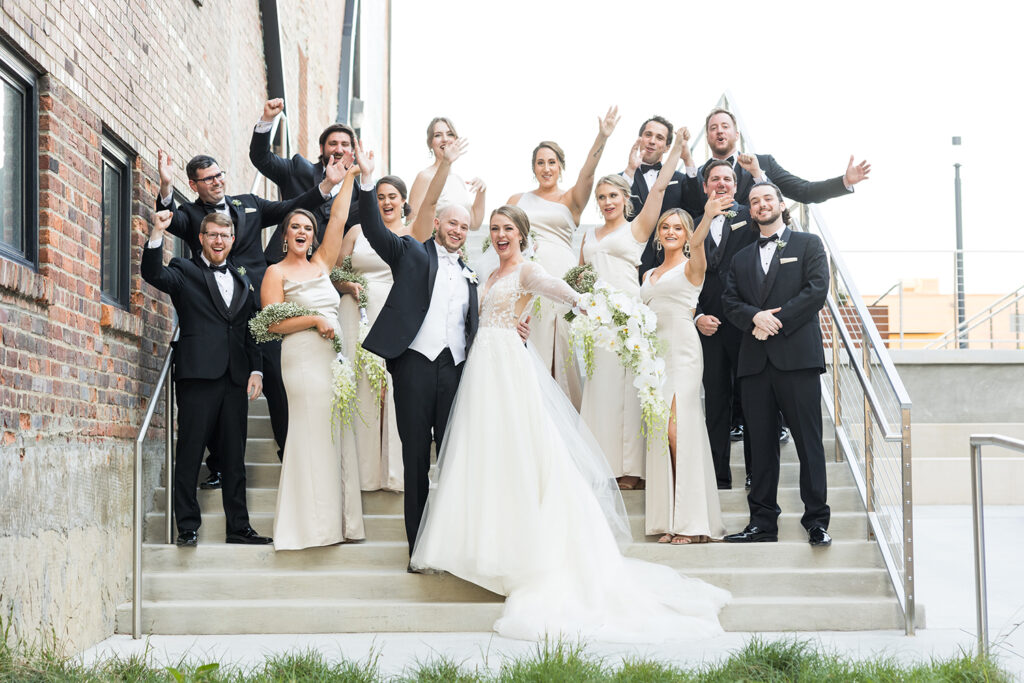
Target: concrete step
column 259, row 428
column 357, row 616
column 399, row 585
column 845, row 525
column 854, row 554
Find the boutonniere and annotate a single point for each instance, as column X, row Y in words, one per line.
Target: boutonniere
column 730, row 214
column 469, row 275
column 236, row 202
column 780, row 245
column 241, row 270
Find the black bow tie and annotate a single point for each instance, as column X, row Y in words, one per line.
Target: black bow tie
column 222, row 268
column 731, row 160
column 761, row 241
column 210, row 208
column 644, row 168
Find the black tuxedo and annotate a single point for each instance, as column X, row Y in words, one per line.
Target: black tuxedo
column 294, row 177
column 424, row 389
column 782, row 372
column 250, row 214
column 677, row 196
column 793, row 187
column 213, row 359
column 721, row 350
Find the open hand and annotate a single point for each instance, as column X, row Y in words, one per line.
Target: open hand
column 454, row 150
column 165, row 165
column 607, row 125
column 636, row 157
column 272, row 108
column 856, row 173
column 523, row 328
column 716, row 206
column 366, row 163
column 476, row 186
column 334, row 171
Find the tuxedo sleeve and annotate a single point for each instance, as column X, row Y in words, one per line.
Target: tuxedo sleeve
column 272, row 213
column 794, row 187
column 265, row 161
column 387, row 244
column 168, row 279
column 251, row 349
column 739, row 312
column 179, row 226
column 804, row 307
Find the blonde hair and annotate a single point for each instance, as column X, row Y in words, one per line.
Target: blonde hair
column 433, row 122
column 619, row 183
column 684, row 218
column 519, row 219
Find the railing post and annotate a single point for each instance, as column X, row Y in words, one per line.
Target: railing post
column 980, row 587
column 137, row 543
column 169, row 461
column 901, row 315
column 836, row 402
column 869, row 451
column 910, row 601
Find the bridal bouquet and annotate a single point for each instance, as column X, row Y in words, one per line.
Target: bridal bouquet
column 343, row 378
column 371, row 365
column 621, row 324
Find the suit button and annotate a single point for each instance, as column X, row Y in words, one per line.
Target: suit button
column 424, row 309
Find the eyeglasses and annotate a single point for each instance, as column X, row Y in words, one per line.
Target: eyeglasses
column 210, row 179
column 219, row 235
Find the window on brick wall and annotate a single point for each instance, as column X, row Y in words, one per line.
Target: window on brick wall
column 18, row 159
column 117, row 184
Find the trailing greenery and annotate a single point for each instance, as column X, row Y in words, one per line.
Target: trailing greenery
column 348, row 274
column 772, row 662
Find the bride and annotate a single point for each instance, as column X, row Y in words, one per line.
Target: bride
column 526, row 505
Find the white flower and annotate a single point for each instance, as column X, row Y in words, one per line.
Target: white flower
column 469, row 275
column 634, row 342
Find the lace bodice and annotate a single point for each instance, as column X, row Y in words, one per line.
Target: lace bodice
column 504, row 299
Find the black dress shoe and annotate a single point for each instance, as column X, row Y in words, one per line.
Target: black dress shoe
column 817, row 535
column 746, row 484
column 736, row 433
column 724, row 487
column 783, row 435
column 212, row 483
column 753, row 534
column 187, row 539
column 248, row 536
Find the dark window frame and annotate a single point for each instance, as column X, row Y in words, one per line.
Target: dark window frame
column 181, row 248
column 119, row 157
column 15, row 72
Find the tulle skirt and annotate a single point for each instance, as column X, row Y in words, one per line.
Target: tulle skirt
column 526, row 506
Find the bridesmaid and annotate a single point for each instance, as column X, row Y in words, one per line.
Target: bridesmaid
column 471, row 195
column 682, row 493
column 377, row 444
column 554, row 216
column 610, row 405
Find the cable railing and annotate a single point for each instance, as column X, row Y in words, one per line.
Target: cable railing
column 960, row 335
column 867, row 403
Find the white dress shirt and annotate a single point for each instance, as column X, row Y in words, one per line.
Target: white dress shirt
column 717, row 224
column 768, row 250
column 445, row 323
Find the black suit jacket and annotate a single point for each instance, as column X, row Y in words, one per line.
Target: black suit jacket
column 737, row 233
column 214, row 338
column 793, row 187
column 797, row 281
column 293, row 178
column 250, row 215
column 414, row 267
column 677, row 196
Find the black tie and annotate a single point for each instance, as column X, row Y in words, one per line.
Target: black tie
column 644, row 168
column 761, row 241
column 222, row 268
column 210, row 208
column 732, row 161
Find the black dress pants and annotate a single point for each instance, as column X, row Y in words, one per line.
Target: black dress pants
column 721, row 351
column 424, row 391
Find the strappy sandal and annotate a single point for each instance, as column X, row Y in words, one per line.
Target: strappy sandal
column 667, row 538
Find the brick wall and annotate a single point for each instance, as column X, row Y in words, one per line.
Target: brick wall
column 75, row 373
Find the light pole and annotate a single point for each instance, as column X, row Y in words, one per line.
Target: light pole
column 959, row 275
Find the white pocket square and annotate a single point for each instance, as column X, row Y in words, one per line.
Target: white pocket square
column 790, row 259
column 738, row 225
column 249, row 209
column 673, row 182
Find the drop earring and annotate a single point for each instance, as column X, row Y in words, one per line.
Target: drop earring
column 284, row 247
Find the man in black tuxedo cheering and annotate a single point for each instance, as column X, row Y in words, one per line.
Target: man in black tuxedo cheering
column 642, row 169
column 216, row 366
column 719, row 338
column 297, row 175
column 249, row 214
column 773, row 292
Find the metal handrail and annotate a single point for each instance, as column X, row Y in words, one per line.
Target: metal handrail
column 980, row 318
column 978, row 513
column 165, row 384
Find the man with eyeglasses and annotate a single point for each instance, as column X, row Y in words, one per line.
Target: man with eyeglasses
column 217, row 366
column 296, row 175
column 249, row 214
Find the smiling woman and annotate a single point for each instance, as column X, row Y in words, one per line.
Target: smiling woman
column 469, row 195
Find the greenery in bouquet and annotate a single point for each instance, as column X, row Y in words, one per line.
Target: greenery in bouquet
column 369, row 364
column 347, row 274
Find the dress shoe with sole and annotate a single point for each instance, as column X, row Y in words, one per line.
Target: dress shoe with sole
column 753, row 534
column 247, row 536
column 783, row 435
column 724, row 487
column 736, row 433
column 746, row 484
column 213, row 482
column 817, row 535
column 187, row 539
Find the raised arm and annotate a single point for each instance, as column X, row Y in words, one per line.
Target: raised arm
column 643, row 224
column 167, row 280
column 423, row 224
column 327, row 254
column 579, row 194
column 265, row 161
column 697, row 265
column 387, row 244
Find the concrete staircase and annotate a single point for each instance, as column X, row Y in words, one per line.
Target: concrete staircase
column 218, row 588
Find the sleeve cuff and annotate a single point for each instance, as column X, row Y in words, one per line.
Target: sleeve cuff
column 155, row 244
column 691, row 171
column 256, row 372
column 263, row 126
column 166, row 201
column 366, row 187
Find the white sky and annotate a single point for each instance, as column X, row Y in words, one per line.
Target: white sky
column 891, row 82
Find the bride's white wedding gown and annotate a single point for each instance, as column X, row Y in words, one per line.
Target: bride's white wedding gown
column 526, row 504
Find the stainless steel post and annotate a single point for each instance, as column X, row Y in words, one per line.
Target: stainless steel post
column 980, row 587
column 137, row 543
column 169, row 461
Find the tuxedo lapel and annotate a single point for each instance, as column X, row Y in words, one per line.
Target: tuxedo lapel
column 211, row 284
column 640, row 185
column 431, row 266
column 241, row 291
column 773, row 269
column 238, row 218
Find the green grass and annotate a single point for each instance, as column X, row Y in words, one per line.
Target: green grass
column 790, row 660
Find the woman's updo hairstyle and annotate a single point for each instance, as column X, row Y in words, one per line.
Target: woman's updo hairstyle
column 554, row 147
column 399, row 185
column 519, row 219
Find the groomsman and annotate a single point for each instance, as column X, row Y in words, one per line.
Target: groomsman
column 723, row 140
column 719, row 338
column 217, row 364
column 297, row 175
column 773, row 292
column 248, row 214
column 642, row 169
